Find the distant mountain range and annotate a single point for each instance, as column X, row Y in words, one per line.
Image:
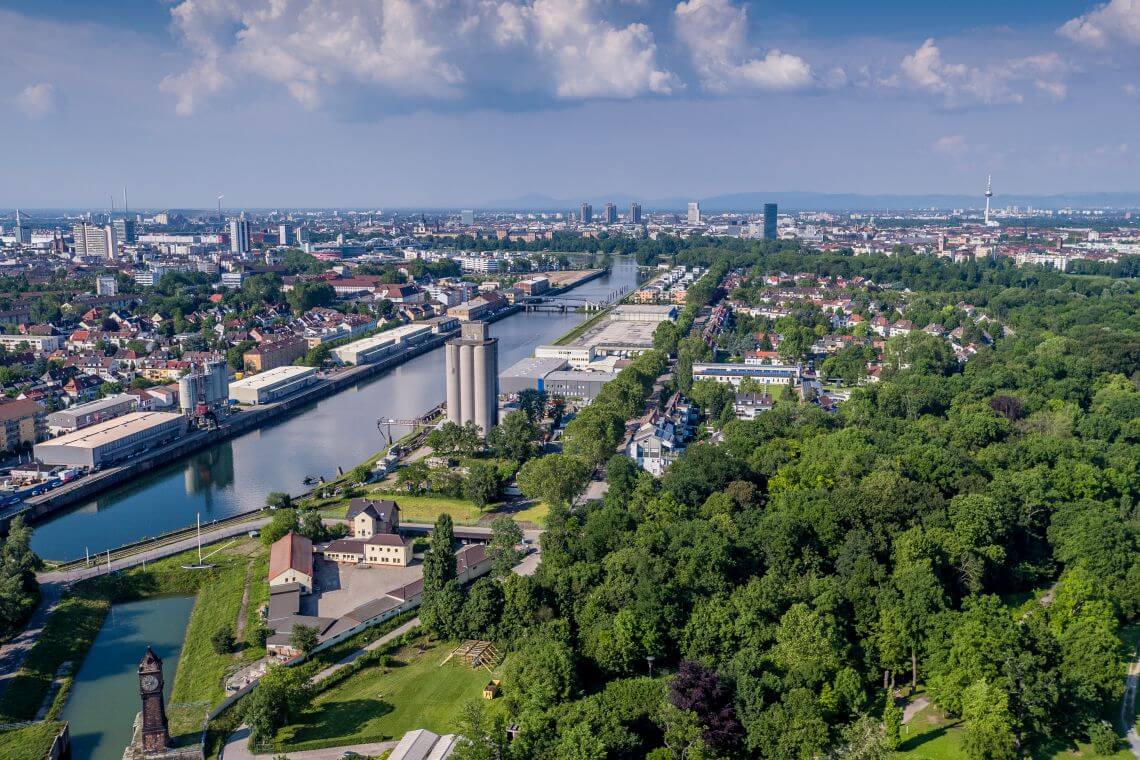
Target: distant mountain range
column 806, row 200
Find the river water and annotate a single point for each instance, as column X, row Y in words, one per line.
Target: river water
column 236, row 475
column 105, row 696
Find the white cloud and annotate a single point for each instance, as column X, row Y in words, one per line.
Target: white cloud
column 591, row 57
column 954, row 146
column 1002, row 82
column 1114, row 21
column 715, row 33
column 415, row 49
column 1131, row 90
column 37, row 101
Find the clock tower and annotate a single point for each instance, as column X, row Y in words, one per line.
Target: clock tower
column 155, row 731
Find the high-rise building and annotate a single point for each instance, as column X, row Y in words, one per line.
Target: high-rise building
column 472, row 365
column 125, row 230
column 239, row 235
column 284, row 233
column 467, row 217
column 23, row 234
column 94, row 241
column 610, row 216
column 694, row 216
column 586, row 213
column 770, row 221
column 635, row 213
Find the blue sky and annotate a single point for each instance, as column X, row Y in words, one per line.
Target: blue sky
column 386, row 103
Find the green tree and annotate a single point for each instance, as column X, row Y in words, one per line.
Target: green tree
column 506, row 535
column 514, row 438
column 439, row 570
column 482, row 484
column 280, row 696
column 989, row 728
column 223, row 640
column 554, row 478
column 304, row 638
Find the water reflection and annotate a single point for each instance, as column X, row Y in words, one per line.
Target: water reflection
column 338, row 431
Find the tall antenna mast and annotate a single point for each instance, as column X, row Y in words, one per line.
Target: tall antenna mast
column 989, row 194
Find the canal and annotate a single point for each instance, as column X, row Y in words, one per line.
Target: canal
column 105, row 695
column 236, row 475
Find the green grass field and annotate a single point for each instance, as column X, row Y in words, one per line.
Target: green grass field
column 28, row 743
column 930, row 736
column 66, row 637
column 381, row 703
column 200, row 668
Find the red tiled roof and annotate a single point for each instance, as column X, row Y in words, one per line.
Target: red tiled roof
column 291, row 552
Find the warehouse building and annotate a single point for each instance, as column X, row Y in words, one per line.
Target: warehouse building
column 112, row 441
column 529, row 374
column 91, row 413
column 643, row 313
column 272, row 385
column 572, row 383
column 369, row 350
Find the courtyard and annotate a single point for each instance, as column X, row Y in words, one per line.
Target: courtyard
column 341, row 588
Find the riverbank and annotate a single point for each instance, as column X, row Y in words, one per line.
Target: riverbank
column 336, row 380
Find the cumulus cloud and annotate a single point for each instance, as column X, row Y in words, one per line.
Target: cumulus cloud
column 37, row 101
column 424, row 50
column 1114, row 21
column 1001, row 82
column 715, row 34
column 954, row 146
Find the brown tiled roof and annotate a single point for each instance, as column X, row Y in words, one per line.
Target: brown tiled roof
column 291, row 552
column 18, row 410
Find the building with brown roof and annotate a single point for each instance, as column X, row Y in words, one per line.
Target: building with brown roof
column 291, row 561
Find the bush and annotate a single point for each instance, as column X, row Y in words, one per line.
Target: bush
column 223, row 640
column 1103, row 738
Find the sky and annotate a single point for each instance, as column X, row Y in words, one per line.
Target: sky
column 447, row 103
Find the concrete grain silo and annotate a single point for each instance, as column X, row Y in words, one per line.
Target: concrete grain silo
column 472, row 365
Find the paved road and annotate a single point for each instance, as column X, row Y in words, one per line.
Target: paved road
column 209, row 536
column 237, row 748
column 13, row 653
column 351, row 657
column 1128, row 705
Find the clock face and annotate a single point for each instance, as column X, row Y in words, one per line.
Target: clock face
column 149, row 683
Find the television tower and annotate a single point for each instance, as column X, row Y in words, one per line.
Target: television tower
column 989, row 194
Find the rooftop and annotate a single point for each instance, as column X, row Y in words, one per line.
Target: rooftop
column 271, row 376
column 291, row 552
column 112, row 430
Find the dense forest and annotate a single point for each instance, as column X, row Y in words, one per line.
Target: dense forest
column 968, row 530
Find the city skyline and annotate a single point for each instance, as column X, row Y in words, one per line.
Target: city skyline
column 655, row 100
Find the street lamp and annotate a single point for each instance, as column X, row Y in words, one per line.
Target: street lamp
column 649, row 659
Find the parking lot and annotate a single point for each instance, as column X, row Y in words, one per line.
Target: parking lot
column 338, row 589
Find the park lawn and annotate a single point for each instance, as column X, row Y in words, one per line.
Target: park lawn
column 931, row 736
column 536, row 513
column 29, row 742
column 381, row 703
column 67, row 635
column 425, row 509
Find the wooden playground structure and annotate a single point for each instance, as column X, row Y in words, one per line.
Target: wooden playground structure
column 477, row 654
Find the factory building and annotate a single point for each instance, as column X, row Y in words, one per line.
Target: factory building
column 91, row 413
column 272, row 385
column 472, row 367
column 112, row 441
column 369, row 350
